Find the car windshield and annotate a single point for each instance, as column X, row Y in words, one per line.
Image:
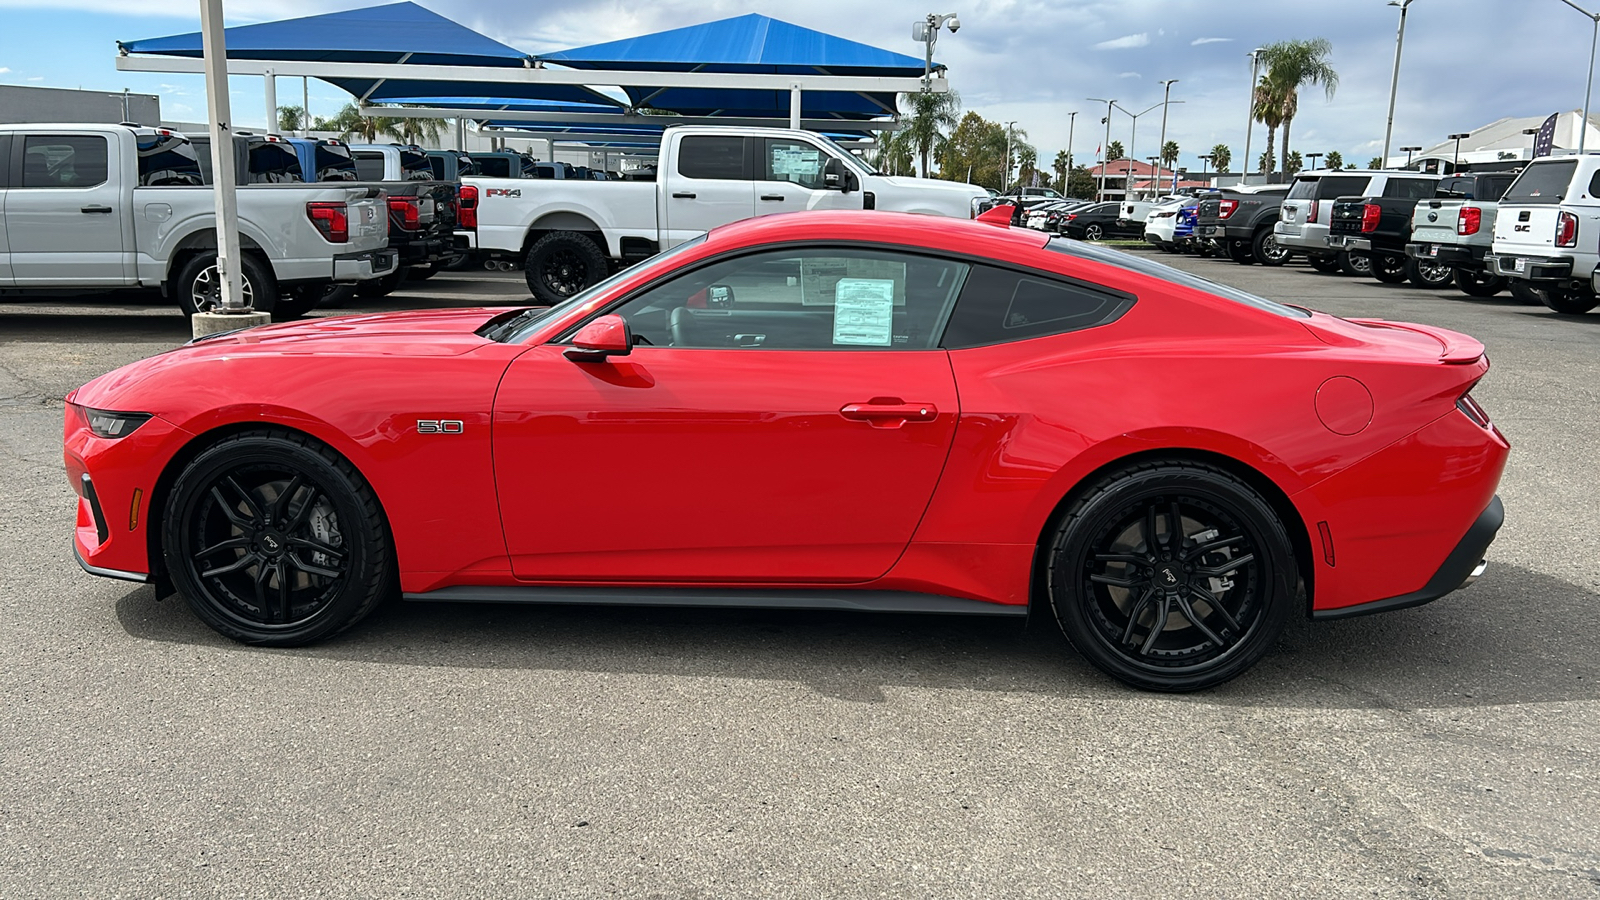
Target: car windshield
column 850, row 158
column 516, row 327
column 1132, row 263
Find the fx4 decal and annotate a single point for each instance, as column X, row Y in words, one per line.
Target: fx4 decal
column 503, row 192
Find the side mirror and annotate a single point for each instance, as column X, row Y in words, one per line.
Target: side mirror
column 604, row 337
column 835, row 177
column 719, row 296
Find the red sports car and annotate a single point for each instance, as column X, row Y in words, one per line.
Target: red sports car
column 822, row 410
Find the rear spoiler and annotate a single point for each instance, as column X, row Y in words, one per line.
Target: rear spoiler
column 1456, row 348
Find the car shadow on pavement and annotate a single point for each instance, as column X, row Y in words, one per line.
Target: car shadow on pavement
column 162, row 326
column 1480, row 647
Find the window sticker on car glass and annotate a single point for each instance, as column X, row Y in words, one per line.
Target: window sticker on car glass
column 793, row 163
column 820, row 275
column 863, row 312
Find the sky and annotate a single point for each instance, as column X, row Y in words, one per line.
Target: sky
column 1466, row 62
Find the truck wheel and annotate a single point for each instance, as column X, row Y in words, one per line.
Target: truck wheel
column 1266, row 250
column 303, row 298
column 1388, row 269
column 383, row 285
column 1239, row 252
column 422, row 273
column 1327, row 265
column 1426, row 273
column 561, row 264
column 1568, row 301
column 1357, row 264
column 1522, row 291
column 1479, row 284
column 198, row 287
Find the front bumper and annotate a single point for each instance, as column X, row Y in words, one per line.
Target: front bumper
column 1461, row 568
column 1530, row 268
column 365, row 265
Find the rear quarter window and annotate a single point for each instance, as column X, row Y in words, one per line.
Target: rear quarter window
column 1543, row 183
column 369, row 165
column 1332, row 186
column 1001, row 305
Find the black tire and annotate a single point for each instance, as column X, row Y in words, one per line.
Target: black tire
column 563, row 263
column 1426, row 273
column 1524, row 292
column 296, row 302
column 274, row 539
column 1388, row 269
column 1568, row 301
column 1110, row 563
column 383, row 285
column 1327, row 265
column 198, row 288
column 1093, row 232
column 422, row 273
column 1239, row 251
column 1207, row 249
column 1357, row 264
column 1265, row 249
column 1478, row 284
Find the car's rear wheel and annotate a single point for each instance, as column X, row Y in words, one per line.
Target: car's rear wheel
column 1239, row 252
column 1479, row 284
column 1266, row 250
column 561, row 264
column 1357, row 264
column 383, row 285
column 1567, row 300
column 274, row 539
column 1524, row 292
column 1171, row 576
column 198, row 287
column 1327, row 265
column 1388, row 269
column 1428, row 273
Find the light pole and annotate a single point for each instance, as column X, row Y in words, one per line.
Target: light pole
column 1205, row 169
column 1006, row 179
column 1250, row 120
column 926, row 32
column 1072, row 122
column 1588, row 86
column 1165, row 97
column 1532, row 132
column 1133, row 141
column 1105, row 161
column 1455, row 160
column 1394, row 77
column 1408, row 151
column 1311, row 161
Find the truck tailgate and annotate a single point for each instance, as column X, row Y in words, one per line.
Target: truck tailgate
column 1435, row 221
column 1526, row 229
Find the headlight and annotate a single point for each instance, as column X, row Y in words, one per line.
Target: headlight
column 106, row 423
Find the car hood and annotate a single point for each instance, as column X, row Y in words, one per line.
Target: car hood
column 954, row 188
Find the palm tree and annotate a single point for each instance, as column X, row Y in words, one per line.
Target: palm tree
column 412, row 131
column 1269, row 112
column 1060, row 168
column 928, row 118
column 1169, row 153
column 291, row 118
column 1114, row 151
column 1221, row 157
column 1335, row 159
column 896, row 156
column 1292, row 165
column 1291, row 65
column 351, row 123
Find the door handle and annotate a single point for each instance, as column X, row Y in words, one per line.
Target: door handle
column 772, row 197
column 682, row 195
column 889, row 412
column 95, row 209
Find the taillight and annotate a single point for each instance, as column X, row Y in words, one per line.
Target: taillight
column 1311, row 214
column 1470, row 408
column 1370, row 214
column 1566, row 230
column 332, row 219
column 405, row 212
column 1071, row 216
column 1470, row 220
column 1227, row 208
column 467, row 206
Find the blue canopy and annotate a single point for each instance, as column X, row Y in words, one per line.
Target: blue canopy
column 749, row 44
column 395, row 33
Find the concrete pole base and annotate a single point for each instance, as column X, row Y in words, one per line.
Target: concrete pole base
column 213, row 322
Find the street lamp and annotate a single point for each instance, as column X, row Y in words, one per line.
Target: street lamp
column 1105, row 163
column 1394, row 78
column 1250, row 120
column 926, row 31
column 1072, row 122
column 1205, row 169
column 1006, row 179
column 1166, row 96
column 1535, row 141
column 1588, row 86
column 1155, row 176
column 1133, row 137
column 1408, row 155
column 1455, row 161
column 1311, row 166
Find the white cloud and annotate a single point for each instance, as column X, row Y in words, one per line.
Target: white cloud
column 1198, row 41
column 4, row 70
column 1126, row 42
column 1129, row 75
column 36, row 78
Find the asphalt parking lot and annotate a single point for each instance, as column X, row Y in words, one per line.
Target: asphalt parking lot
column 476, row 751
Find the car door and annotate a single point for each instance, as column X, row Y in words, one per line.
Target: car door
column 790, row 178
column 64, row 211
column 708, row 185
column 5, row 181
column 783, row 418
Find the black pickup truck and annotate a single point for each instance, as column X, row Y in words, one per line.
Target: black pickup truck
column 422, row 211
column 1240, row 221
column 1379, row 227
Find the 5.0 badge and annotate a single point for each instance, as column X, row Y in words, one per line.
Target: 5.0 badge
column 440, row 426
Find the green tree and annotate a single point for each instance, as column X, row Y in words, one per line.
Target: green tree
column 927, row 118
column 1080, row 184
column 1335, row 159
column 1221, row 157
column 350, row 123
column 1268, row 108
column 412, row 131
column 1375, row 163
column 1023, row 153
column 1267, row 163
column 1060, row 168
column 1292, row 65
column 1169, row 153
column 291, row 118
column 1114, row 151
column 895, row 156
column 975, row 151
column 1293, row 164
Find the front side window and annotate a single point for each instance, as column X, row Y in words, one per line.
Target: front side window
column 802, row 299
column 64, row 160
column 796, row 162
column 712, row 157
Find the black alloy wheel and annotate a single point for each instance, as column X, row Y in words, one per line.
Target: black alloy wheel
column 1388, row 268
column 1429, row 273
column 1265, row 249
column 1479, row 284
column 1327, row 265
column 1171, row 576
column 561, row 264
column 274, row 539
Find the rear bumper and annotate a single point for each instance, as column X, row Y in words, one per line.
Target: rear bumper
column 466, row 240
column 1449, row 254
column 1309, row 238
column 1352, row 244
column 365, row 265
column 1462, row 567
column 1529, row 268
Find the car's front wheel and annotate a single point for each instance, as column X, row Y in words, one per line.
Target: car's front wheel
column 275, row 539
column 1093, row 232
column 1429, row 273
column 1171, row 576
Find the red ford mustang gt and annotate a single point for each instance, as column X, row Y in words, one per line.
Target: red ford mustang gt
column 822, row 410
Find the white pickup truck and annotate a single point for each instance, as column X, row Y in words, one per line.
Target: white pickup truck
column 1547, row 232
column 111, row 206
column 567, row 233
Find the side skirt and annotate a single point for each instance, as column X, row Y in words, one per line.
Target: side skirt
column 735, row 598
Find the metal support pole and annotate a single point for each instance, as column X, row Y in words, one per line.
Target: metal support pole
column 1161, row 148
column 1105, row 155
column 215, row 55
column 1072, row 123
column 794, row 108
column 305, row 106
column 1250, row 120
column 1588, row 89
column 1394, row 79
column 270, row 80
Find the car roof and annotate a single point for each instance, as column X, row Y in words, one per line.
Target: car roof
column 909, row 229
